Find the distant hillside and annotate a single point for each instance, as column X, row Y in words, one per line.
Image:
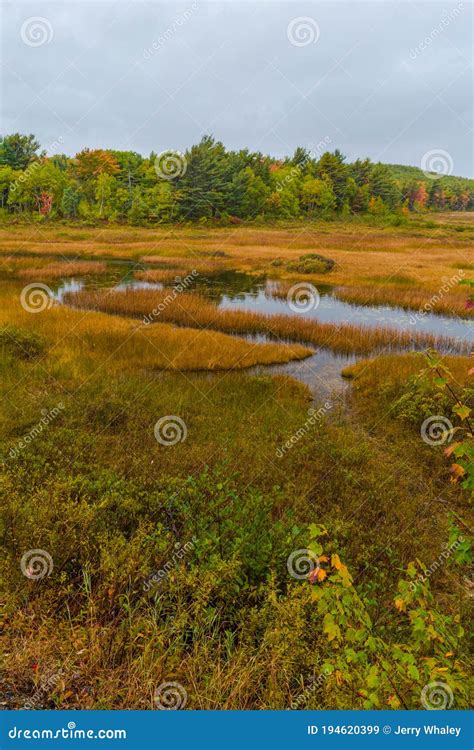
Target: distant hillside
column 403, row 173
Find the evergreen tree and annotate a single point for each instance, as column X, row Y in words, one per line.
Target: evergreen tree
column 331, row 167
column 18, row 150
column 247, row 194
column 383, row 186
column 205, row 185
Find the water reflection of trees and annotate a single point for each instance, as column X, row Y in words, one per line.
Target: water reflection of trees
column 233, row 284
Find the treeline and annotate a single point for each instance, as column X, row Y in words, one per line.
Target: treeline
column 209, row 182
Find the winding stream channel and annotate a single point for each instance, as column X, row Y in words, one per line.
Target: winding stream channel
column 322, row 371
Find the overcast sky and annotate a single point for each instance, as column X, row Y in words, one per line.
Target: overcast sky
column 392, row 81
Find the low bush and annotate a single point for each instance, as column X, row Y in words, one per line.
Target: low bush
column 311, row 263
column 21, row 342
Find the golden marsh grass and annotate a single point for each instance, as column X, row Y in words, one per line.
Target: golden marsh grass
column 365, row 255
column 455, row 302
column 191, row 310
column 120, row 343
column 64, row 270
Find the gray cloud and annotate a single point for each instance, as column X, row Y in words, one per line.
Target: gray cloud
column 386, row 80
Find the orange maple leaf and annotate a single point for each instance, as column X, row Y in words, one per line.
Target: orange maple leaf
column 317, row 576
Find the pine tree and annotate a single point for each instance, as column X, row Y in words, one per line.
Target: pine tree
column 331, row 167
column 204, row 187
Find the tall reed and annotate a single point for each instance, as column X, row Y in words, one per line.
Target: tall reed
column 193, row 311
column 454, row 302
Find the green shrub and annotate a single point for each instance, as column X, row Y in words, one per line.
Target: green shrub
column 420, row 401
column 312, row 263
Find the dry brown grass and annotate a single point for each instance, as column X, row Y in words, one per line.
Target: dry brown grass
column 454, row 302
column 64, row 270
column 194, row 311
